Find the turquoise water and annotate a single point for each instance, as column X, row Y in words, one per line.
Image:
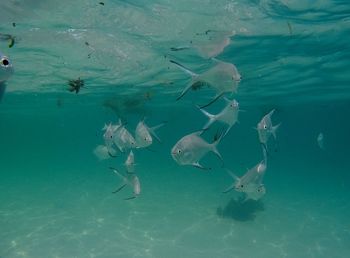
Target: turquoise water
column 55, row 194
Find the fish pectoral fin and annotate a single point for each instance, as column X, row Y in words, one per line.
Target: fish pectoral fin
column 120, row 188
column 274, row 129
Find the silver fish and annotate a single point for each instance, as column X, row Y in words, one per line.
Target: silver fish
column 320, row 141
column 130, row 163
column 108, row 137
column 143, row 134
column 131, row 180
column 228, row 115
column 223, row 77
column 251, row 182
column 123, row 139
column 190, row 149
column 266, row 129
column 6, row 71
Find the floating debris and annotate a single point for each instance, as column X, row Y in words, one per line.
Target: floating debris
column 75, row 85
column 101, row 3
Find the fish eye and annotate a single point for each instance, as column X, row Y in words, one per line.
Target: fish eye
column 5, row 62
column 265, row 127
column 241, row 186
column 178, row 151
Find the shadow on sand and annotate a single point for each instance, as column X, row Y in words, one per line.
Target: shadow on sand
column 240, row 210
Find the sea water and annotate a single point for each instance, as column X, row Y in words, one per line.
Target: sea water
column 56, row 196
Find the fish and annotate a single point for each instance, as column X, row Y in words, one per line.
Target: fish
column 102, row 152
column 266, row 129
column 320, row 141
column 251, row 182
column 143, row 134
column 228, row 115
column 123, row 139
column 223, row 77
column 6, row 71
column 130, row 179
column 191, row 148
column 108, row 137
column 130, row 162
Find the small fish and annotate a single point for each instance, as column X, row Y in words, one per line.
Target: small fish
column 143, row 134
column 123, row 139
column 108, row 137
column 223, row 77
column 190, row 149
column 228, row 115
column 6, row 71
column 251, row 182
column 320, row 141
column 130, row 163
column 266, row 129
column 102, row 152
column 130, row 179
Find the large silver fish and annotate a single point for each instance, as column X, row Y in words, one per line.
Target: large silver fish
column 228, row 115
column 266, row 129
column 6, row 70
column 131, row 180
column 143, row 134
column 223, row 77
column 123, row 139
column 251, row 183
column 190, row 149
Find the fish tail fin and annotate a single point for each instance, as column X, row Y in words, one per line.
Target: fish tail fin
column 215, row 144
column 188, row 87
column 210, row 116
column 154, row 128
column 274, row 129
column 193, row 75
